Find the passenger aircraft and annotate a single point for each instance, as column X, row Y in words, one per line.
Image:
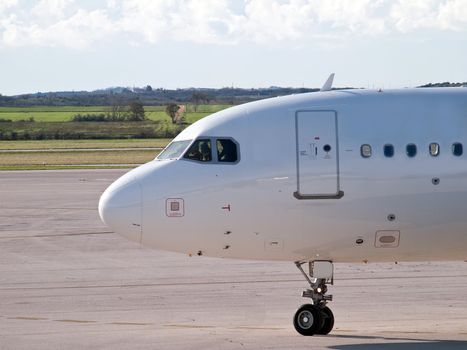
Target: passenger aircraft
column 318, row 178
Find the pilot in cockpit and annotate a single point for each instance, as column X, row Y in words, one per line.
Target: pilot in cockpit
column 228, row 151
column 205, row 152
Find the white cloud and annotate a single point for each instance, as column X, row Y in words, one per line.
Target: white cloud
column 203, row 21
column 146, row 18
column 414, row 14
column 355, row 16
column 7, row 4
column 453, row 15
column 76, row 31
column 411, row 15
column 112, row 4
column 54, row 9
column 267, row 22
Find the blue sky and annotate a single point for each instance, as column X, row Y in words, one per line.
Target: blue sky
column 52, row 45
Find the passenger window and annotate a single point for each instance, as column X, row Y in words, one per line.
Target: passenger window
column 226, row 151
column 200, row 151
column 411, row 150
column 388, row 151
column 434, row 149
column 457, row 149
column 365, row 151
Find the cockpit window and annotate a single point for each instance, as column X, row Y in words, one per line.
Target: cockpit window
column 174, row 150
column 226, row 151
column 200, row 151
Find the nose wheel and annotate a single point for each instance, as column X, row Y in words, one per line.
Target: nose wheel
column 315, row 318
column 312, row 319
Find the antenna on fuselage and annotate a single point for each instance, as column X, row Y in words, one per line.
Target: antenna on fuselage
column 328, row 84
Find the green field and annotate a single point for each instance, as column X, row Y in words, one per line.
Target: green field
column 66, row 113
column 87, row 130
column 63, row 154
column 79, row 158
column 48, row 113
column 53, row 141
column 82, row 144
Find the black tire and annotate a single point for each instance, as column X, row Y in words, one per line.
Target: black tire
column 308, row 320
column 328, row 321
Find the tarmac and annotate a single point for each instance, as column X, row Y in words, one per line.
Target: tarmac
column 67, row 282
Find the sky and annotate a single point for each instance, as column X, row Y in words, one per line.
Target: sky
column 65, row 45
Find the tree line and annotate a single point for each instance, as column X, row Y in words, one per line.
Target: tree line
column 146, row 96
column 133, row 112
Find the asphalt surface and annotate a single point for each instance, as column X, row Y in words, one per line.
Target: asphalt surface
column 67, row 282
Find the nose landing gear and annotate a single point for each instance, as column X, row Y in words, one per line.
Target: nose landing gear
column 316, row 318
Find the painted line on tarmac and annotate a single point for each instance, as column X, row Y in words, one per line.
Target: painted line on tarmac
column 222, row 283
column 60, row 235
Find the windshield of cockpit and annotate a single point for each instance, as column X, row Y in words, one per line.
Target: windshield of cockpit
column 174, row 150
column 204, row 149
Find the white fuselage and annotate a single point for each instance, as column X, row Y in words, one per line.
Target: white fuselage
column 302, row 189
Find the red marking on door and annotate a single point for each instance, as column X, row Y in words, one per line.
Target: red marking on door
column 226, row 207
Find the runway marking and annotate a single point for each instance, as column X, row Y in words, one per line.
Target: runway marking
column 408, row 332
column 34, row 318
column 131, row 324
column 226, row 282
column 76, row 321
column 60, row 235
column 188, row 326
column 259, row 328
column 217, row 327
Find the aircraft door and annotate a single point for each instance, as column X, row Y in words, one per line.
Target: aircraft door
column 317, row 155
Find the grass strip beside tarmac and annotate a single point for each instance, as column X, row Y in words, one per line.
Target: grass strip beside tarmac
column 78, row 154
column 61, row 167
column 78, row 159
column 83, row 144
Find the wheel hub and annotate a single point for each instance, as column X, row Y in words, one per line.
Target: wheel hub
column 305, row 319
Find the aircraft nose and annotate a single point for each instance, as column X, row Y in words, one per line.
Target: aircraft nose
column 120, row 208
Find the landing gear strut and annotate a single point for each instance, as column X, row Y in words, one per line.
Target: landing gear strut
column 316, row 318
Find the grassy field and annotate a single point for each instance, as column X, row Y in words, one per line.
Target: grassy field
column 126, row 157
column 87, row 144
column 88, row 130
column 82, row 144
column 79, row 154
column 66, row 113
column 48, row 113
